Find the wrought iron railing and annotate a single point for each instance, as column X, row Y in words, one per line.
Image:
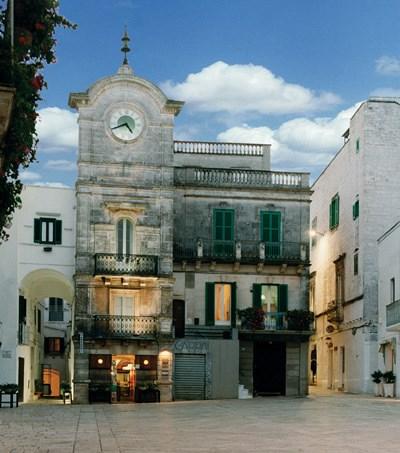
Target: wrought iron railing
column 241, row 251
column 393, row 313
column 111, row 326
column 227, row 177
column 114, row 264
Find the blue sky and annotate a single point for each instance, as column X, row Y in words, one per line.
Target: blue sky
column 285, row 72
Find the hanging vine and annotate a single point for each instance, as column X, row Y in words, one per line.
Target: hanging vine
column 21, row 66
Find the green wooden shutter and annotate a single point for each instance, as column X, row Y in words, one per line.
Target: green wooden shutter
column 128, row 237
column 283, row 298
column 228, row 223
column 57, row 232
column 271, row 226
column 233, row 304
column 210, row 304
column 337, row 211
column 257, row 295
column 37, row 233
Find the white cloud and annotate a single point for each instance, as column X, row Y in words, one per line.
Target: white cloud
column 246, row 89
column 29, row 176
column 61, row 164
column 387, row 92
column 57, row 130
column 301, row 142
column 386, row 65
column 59, row 185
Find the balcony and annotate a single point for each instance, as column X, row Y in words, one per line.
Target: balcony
column 118, row 326
column 393, row 315
column 246, row 252
column 236, row 178
column 112, row 264
column 233, row 149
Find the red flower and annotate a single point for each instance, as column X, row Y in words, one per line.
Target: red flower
column 37, row 82
column 22, row 40
column 40, row 26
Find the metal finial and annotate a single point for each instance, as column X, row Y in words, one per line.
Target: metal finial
column 125, row 40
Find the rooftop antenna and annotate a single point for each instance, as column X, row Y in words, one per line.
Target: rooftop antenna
column 125, row 40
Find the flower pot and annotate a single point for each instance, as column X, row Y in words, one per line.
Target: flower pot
column 378, row 389
column 389, row 390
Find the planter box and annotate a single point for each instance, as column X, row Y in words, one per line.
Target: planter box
column 389, row 390
column 378, row 391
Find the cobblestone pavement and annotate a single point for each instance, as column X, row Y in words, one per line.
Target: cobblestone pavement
column 319, row 423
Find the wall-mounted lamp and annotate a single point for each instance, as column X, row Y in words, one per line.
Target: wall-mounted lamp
column 315, row 233
column 100, row 361
column 145, row 362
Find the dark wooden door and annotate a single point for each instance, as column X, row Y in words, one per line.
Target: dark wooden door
column 178, row 314
column 21, row 372
column 269, row 368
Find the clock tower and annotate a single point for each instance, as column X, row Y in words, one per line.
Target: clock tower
column 124, row 263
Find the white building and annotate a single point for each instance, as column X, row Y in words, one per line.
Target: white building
column 36, row 263
column 355, row 199
column 389, row 301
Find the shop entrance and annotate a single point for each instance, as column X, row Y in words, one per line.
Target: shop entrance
column 123, row 376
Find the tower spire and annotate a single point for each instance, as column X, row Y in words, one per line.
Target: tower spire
column 125, row 48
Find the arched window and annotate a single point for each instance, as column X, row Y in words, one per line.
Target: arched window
column 124, row 237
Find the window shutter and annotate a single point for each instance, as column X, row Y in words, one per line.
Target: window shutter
column 210, row 304
column 47, row 345
column 337, row 211
column 257, row 295
column 37, row 234
column 57, row 232
column 128, row 237
column 228, row 226
column 233, row 305
column 283, row 298
column 62, row 348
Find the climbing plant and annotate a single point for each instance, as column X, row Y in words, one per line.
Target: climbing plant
column 22, row 63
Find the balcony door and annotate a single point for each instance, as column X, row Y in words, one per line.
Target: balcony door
column 271, row 228
column 122, row 312
column 124, row 237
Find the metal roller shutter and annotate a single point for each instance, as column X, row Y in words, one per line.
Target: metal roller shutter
column 190, row 376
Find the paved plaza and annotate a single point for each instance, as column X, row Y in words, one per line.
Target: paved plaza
column 318, row 423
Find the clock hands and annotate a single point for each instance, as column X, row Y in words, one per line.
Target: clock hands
column 121, row 125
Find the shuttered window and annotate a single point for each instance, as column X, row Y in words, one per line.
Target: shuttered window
column 334, row 212
column 220, row 304
column 273, row 299
column 47, row 231
column 56, row 309
column 270, row 226
column 223, row 232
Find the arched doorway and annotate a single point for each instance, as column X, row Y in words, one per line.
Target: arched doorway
column 44, row 332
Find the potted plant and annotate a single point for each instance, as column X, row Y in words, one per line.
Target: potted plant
column 377, row 380
column 300, row 319
column 252, row 318
column 388, row 383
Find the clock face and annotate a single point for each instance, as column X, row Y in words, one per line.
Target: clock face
column 126, row 124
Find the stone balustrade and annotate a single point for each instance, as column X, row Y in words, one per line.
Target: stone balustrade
column 236, row 149
column 215, row 177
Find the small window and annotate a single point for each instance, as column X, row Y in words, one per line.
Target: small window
column 39, row 321
column 355, row 263
column 392, row 290
column 47, row 231
column 356, row 209
column 54, row 345
column 334, row 212
column 56, row 309
column 357, row 145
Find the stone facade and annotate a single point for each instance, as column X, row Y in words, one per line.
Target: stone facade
column 344, row 282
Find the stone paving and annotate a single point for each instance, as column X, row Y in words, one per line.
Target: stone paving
column 319, row 423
